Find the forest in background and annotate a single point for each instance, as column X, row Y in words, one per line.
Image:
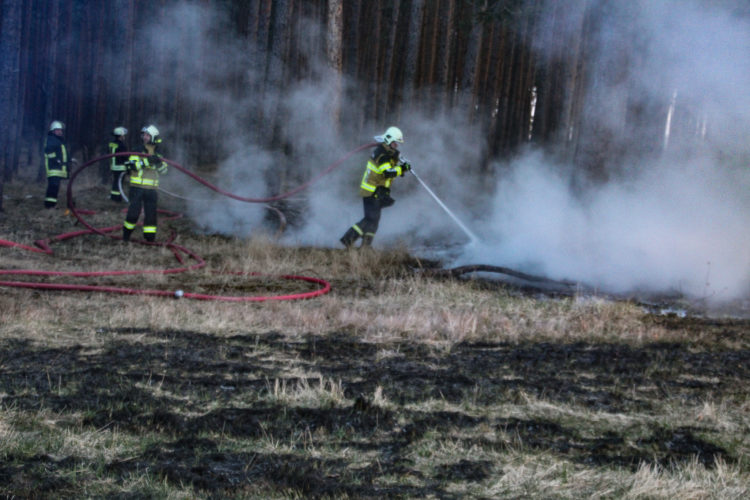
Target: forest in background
column 523, row 71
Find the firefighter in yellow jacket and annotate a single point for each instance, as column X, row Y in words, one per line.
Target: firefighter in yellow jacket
column 56, row 162
column 144, row 181
column 117, row 163
column 382, row 167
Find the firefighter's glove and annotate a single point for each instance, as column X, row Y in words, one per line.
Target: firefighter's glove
column 154, row 160
column 405, row 165
column 130, row 165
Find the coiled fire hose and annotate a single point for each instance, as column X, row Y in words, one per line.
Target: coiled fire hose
column 180, row 252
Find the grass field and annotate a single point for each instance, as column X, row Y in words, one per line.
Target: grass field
column 399, row 383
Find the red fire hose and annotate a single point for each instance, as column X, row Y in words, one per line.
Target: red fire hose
column 43, row 246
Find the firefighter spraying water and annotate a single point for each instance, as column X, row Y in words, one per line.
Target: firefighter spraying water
column 385, row 164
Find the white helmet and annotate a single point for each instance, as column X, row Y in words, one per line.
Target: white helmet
column 153, row 132
column 120, row 131
column 56, row 125
column 391, row 135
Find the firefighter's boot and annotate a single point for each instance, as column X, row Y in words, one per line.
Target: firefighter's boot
column 349, row 237
column 367, row 240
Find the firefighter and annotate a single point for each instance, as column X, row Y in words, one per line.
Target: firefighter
column 384, row 164
column 144, row 181
column 56, row 161
column 117, row 163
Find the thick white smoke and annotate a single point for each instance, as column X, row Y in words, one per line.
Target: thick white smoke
column 676, row 223
column 678, row 228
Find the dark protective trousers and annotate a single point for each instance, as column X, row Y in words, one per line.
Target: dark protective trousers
column 368, row 226
column 114, row 194
column 146, row 198
column 370, row 222
column 53, row 188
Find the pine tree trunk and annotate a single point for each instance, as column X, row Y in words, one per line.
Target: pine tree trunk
column 334, row 39
column 10, row 40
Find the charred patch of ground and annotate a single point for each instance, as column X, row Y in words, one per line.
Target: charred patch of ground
column 199, row 397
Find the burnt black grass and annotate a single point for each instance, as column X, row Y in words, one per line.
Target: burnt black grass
column 214, row 395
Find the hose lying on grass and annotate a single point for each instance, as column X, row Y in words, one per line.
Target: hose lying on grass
column 475, row 268
column 180, row 252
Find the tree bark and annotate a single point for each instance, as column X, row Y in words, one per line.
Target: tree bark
column 334, row 52
column 413, row 48
column 10, row 41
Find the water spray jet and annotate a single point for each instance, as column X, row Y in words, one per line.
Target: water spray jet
column 472, row 237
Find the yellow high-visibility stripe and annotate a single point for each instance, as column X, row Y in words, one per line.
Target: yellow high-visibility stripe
column 116, row 167
column 366, row 185
column 371, row 167
column 136, row 178
column 56, row 172
column 144, row 182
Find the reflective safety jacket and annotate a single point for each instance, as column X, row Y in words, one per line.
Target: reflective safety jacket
column 55, row 156
column 146, row 172
column 117, row 163
column 382, row 167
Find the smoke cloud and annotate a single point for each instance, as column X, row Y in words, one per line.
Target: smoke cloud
column 677, row 221
column 674, row 228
